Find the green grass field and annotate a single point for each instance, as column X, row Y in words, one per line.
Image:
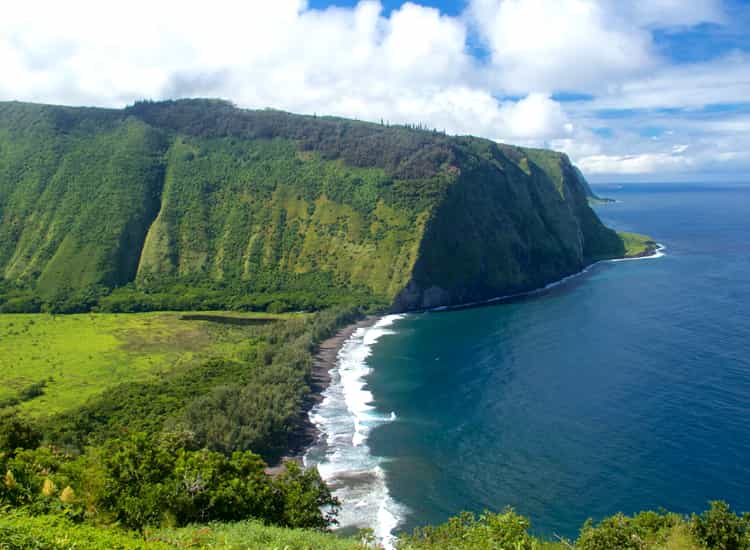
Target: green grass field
column 53, row 532
column 77, row 356
column 636, row 244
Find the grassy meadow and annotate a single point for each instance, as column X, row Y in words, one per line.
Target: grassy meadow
column 636, row 244
column 53, row 363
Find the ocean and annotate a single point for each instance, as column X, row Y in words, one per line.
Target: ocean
column 625, row 388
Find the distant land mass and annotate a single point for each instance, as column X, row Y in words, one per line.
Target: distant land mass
column 115, row 209
column 592, row 197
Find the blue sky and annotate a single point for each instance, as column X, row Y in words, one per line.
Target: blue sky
column 632, row 90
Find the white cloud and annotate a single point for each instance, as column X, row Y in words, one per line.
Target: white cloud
column 690, row 85
column 409, row 67
column 645, row 163
column 565, row 44
column 413, row 65
column 536, row 117
column 672, row 13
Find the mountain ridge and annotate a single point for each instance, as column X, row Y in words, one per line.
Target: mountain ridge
column 200, row 191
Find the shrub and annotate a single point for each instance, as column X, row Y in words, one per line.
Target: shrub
column 621, row 532
column 17, row 433
column 208, row 486
column 507, row 530
column 304, row 496
column 32, row 479
column 721, row 529
column 148, row 484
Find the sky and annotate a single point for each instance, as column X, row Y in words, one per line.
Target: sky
column 631, row 90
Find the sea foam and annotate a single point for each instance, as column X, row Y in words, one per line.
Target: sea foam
column 345, row 418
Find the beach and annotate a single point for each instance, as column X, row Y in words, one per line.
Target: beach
column 306, row 433
column 344, row 415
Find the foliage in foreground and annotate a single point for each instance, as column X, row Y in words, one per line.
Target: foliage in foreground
column 136, row 482
column 181, row 450
column 55, row 532
column 716, row 529
column 489, row 531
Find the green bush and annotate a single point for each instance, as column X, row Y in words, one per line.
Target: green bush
column 17, row 433
column 148, row 484
column 721, row 529
column 19, row 531
column 621, row 532
column 489, row 531
column 39, row 480
column 209, row 486
column 304, row 497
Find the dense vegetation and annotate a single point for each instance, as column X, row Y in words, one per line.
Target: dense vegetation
column 220, row 386
column 188, row 444
column 149, row 431
column 718, row 528
column 195, row 204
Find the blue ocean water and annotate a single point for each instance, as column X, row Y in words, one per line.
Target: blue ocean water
column 625, row 389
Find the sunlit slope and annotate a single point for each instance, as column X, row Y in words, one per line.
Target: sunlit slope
column 255, row 209
column 198, row 190
column 78, row 191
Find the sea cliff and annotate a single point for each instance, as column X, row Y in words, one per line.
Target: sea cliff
column 200, row 193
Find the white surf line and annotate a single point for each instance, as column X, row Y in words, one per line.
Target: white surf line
column 345, row 417
column 658, row 253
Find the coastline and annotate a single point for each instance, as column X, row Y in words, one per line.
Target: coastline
column 306, row 434
column 355, row 348
column 657, row 251
column 343, row 420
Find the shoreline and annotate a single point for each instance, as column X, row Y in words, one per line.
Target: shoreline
column 344, row 420
column 306, row 434
column 650, row 253
column 327, row 357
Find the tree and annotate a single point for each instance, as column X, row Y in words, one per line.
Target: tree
column 304, row 495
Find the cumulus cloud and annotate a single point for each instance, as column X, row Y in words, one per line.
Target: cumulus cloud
column 566, row 44
column 635, row 164
column 414, row 64
column 689, row 85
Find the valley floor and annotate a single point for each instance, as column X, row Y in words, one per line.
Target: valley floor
column 54, row 363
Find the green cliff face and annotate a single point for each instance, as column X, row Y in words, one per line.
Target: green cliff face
column 514, row 220
column 79, row 189
column 196, row 190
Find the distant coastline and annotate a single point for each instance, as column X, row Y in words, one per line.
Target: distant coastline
column 652, row 251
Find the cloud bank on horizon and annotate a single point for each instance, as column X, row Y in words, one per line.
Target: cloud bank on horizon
column 649, row 89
